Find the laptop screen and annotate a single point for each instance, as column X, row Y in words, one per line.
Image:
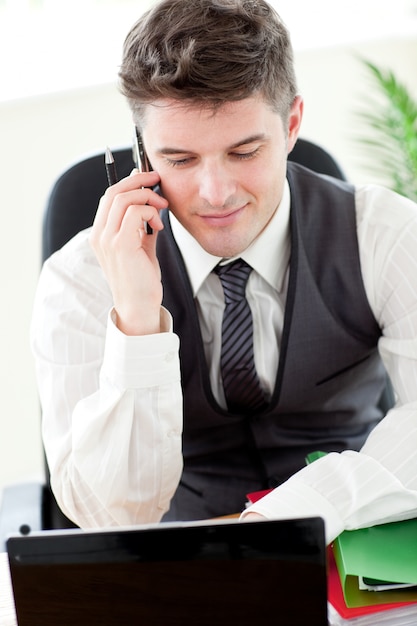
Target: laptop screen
column 183, row 574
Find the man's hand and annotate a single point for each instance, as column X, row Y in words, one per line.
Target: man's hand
column 127, row 254
column 253, row 517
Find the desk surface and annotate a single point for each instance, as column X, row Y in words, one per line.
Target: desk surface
column 7, row 612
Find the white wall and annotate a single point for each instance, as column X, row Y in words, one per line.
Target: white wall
column 40, row 136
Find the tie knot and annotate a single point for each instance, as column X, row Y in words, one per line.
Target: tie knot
column 234, row 277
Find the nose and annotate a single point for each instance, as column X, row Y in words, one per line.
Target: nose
column 216, row 184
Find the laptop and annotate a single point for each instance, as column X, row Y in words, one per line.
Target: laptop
column 173, row 574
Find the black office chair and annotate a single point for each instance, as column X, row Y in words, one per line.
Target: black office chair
column 70, row 208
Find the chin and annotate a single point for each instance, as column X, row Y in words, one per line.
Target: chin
column 224, row 252
column 225, row 247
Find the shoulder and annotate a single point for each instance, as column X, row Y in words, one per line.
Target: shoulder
column 75, row 252
column 76, row 265
column 385, row 220
column 378, row 205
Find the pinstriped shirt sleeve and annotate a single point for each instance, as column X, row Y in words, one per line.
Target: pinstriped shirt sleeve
column 379, row 483
column 111, row 404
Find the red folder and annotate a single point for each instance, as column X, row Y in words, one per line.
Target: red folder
column 336, row 599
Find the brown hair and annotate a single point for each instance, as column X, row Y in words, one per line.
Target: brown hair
column 208, row 52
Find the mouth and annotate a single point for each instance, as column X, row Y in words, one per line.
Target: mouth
column 225, row 218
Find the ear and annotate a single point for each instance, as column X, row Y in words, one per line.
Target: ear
column 294, row 121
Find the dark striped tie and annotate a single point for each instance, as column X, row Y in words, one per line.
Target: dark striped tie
column 241, row 384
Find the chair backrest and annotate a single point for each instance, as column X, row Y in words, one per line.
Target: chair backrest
column 74, row 197
column 73, row 200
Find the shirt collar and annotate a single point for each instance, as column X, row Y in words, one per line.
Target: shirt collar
column 275, row 239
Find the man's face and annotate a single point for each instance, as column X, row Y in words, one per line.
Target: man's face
column 222, row 172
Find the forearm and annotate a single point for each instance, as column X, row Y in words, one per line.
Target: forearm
column 117, row 458
column 352, row 490
column 124, row 467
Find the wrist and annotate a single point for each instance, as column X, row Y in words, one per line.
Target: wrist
column 138, row 325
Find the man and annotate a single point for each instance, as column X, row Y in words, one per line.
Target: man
column 148, row 413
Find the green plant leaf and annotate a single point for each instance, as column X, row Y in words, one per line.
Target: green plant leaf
column 389, row 116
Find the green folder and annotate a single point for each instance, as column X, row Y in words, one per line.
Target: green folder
column 387, row 552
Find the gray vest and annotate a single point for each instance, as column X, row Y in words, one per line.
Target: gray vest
column 329, row 377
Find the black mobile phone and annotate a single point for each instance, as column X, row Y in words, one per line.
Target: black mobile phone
column 139, row 155
column 141, row 161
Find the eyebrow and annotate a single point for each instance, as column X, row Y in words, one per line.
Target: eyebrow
column 238, row 144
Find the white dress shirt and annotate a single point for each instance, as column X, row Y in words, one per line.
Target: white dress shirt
column 112, row 404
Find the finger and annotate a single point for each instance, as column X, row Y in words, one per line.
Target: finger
column 136, row 180
column 113, row 207
column 126, row 241
column 136, row 217
column 145, row 203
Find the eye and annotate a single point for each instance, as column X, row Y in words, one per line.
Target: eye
column 243, row 156
column 178, row 162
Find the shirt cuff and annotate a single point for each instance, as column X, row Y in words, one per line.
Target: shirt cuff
column 141, row 361
column 295, row 499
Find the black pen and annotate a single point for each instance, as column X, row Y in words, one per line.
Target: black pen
column 110, row 167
